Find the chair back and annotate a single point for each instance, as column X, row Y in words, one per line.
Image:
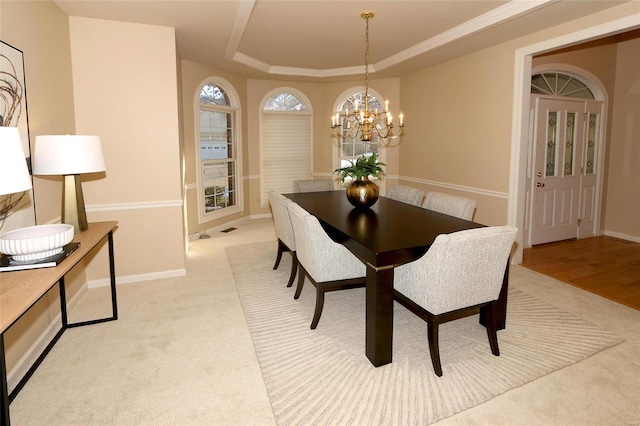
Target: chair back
column 281, row 219
column 313, row 185
column 323, row 258
column 459, row 270
column 450, row 204
column 406, row 194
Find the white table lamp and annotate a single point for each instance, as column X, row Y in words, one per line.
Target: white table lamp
column 70, row 156
column 14, row 175
column 33, row 242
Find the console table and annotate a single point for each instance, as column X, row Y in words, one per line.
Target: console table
column 20, row 290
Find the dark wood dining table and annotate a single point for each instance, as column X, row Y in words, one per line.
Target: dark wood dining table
column 388, row 234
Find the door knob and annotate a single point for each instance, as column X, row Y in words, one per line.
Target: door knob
column 539, row 184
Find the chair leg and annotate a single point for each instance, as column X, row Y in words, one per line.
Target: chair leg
column 301, row 274
column 434, row 349
column 319, row 306
column 294, row 268
column 492, row 327
column 281, row 249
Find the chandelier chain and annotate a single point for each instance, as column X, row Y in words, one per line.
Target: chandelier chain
column 366, row 64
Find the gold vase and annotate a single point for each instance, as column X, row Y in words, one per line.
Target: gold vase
column 362, row 193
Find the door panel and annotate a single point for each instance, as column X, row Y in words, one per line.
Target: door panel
column 559, row 132
column 589, row 196
column 567, row 210
column 588, row 212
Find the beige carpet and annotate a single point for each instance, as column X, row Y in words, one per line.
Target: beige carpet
column 323, row 377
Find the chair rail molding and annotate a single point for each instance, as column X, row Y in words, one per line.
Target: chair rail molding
column 487, row 192
column 134, row 206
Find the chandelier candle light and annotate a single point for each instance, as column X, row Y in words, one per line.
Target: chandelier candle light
column 364, row 121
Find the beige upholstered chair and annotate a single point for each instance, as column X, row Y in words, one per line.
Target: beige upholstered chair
column 450, row 204
column 329, row 265
column 406, row 194
column 460, row 273
column 284, row 231
column 313, row 185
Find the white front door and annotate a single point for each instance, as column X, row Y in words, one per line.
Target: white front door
column 588, row 215
column 556, row 181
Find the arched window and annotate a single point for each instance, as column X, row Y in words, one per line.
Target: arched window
column 285, row 102
column 558, row 84
column 218, row 151
column 350, row 149
column 285, row 141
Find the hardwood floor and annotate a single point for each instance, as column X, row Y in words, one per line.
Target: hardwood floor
column 607, row 266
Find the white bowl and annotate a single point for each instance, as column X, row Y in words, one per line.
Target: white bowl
column 36, row 242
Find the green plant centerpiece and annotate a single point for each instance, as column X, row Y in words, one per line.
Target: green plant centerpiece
column 362, row 193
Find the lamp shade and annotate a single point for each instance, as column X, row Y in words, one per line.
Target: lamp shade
column 14, row 175
column 67, row 155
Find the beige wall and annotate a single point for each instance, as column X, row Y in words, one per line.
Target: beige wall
column 458, row 129
column 462, row 145
column 41, row 31
column 622, row 217
column 125, row 91
column 122, row 86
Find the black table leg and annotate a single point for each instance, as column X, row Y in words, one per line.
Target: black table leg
column 379, row 315
column 112, row 272
column 4, row 388
column 114, row 300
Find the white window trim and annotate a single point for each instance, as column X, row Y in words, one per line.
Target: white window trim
column 234, row 99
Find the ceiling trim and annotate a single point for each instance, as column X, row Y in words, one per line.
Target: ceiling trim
column 242, row 19
column 501, row 14
column 506, row 12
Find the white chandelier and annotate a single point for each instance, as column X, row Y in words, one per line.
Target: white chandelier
column 364, row 121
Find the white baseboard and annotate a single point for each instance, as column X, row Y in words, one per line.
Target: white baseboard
column 31, row 355
column 622, row 236
column 128, row 279
column 228, row 224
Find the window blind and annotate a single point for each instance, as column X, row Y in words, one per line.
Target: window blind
column 286, row 151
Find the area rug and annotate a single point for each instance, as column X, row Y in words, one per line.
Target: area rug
column 322, row 376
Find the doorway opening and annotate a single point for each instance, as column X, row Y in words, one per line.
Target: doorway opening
column 518, row 206
column 564, row 177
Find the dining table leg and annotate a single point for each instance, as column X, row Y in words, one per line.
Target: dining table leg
column 379, row 315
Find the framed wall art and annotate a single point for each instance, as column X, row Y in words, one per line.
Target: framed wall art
column 16, row 210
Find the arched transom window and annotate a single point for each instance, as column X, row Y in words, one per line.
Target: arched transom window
column 558, row 84
column 285, row 102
